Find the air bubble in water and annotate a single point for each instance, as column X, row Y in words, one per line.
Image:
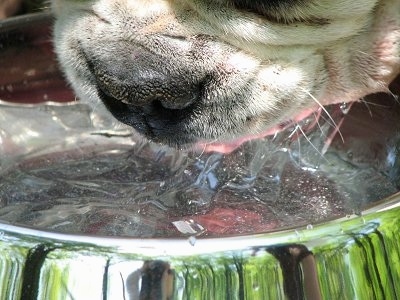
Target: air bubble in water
column 345, row 108
column 192, row 240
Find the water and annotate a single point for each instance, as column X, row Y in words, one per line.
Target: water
column 69, row 172
column 68, row 169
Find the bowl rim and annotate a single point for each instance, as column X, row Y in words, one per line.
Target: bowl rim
column 314, row 234
column 183, row 245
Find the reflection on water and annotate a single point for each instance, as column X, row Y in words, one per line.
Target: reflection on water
column 67, row 171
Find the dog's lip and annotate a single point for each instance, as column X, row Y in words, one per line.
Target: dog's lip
column 152, row 126
column 154, row 133
column 229, row 146
column 115, row 107
column 141, row 120
column 138, row 117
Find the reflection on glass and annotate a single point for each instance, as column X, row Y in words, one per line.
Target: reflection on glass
column 88, row 210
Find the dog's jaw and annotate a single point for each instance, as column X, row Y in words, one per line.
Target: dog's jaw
column 376, row 58
column 249, row 80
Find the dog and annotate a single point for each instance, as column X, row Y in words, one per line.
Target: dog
column 183, row 71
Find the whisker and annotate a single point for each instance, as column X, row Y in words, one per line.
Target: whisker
column 202, row 151
column 394, row 96
column 326, row 112
column 330, row 138
column 205, row 146
column 328, row 121
column 298, row 127
column 367, row 105
column 317, row 117
column 294, row 131
column 371, row 103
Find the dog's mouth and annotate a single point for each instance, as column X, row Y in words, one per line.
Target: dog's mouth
column 175, row 111
column 155, row 121
column 157, row 104
column 214, row 106
column 172, row 125
column 170, row 105
column 230, row 145
column 190, row 122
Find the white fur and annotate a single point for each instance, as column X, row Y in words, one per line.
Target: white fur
column 280, row 69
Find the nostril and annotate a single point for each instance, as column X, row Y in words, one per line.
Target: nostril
column 175, row 97
column 143, row 88
column 157, row 111
column 110, row 86
column 144, row 78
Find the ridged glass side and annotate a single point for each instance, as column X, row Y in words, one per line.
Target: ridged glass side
column 352, row 258
column 356, row 257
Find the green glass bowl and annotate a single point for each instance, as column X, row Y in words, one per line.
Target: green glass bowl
column 355, row 256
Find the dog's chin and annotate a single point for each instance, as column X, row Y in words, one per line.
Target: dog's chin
column 164, row 126
column 155, row 122
column 172, row 127
column 180, row 75
column 175, row 127
column 227, row 146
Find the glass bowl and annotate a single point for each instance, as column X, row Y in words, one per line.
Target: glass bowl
column 89, row 210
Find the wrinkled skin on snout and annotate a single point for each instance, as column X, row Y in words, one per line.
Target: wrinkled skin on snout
column 188, row 70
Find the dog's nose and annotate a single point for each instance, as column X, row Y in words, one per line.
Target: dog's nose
column 144, row 81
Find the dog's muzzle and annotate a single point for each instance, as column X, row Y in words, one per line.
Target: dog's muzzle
column 145, row 92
